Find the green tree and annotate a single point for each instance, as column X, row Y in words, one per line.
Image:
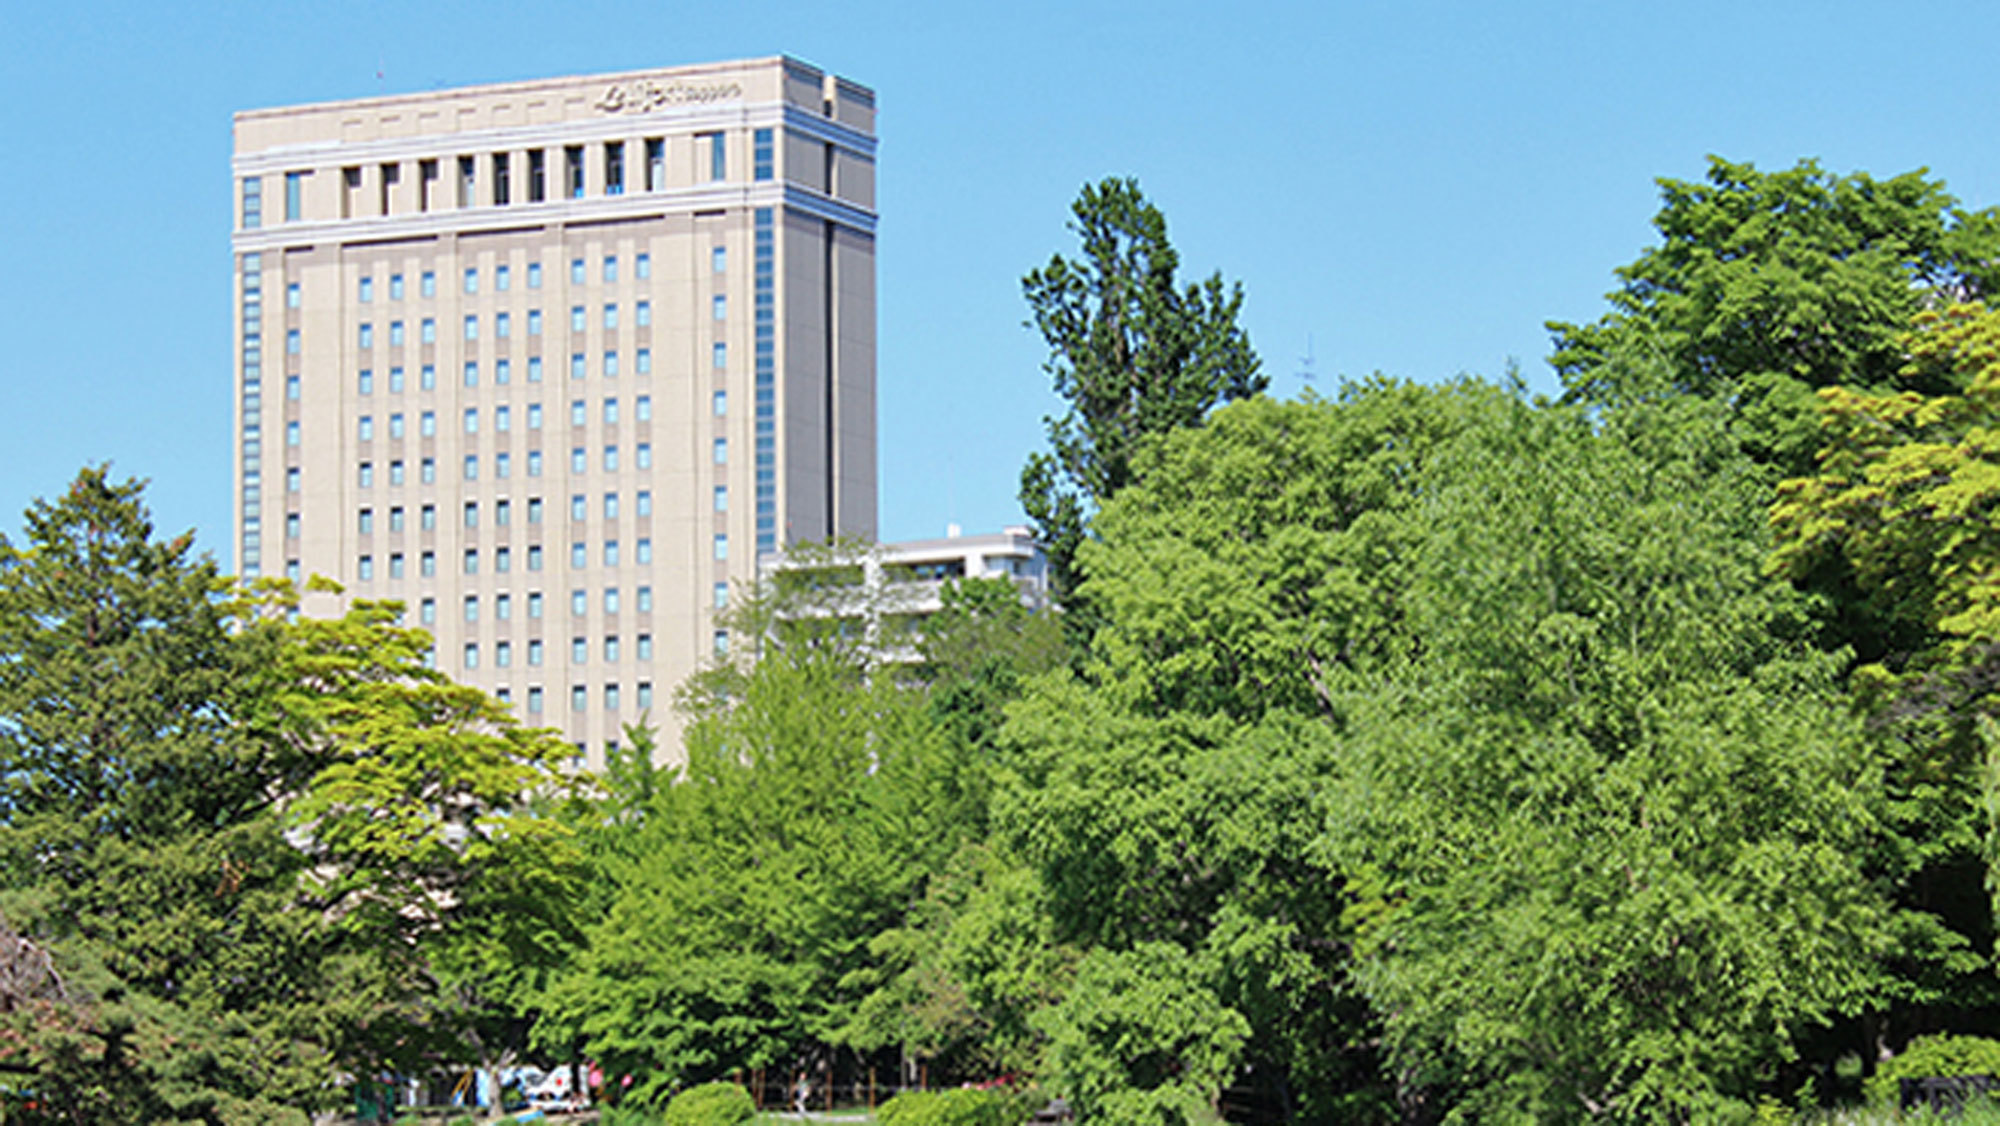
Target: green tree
column 139, row 836
column 1766, row 286
column 1132, row 352
column 1614, row 821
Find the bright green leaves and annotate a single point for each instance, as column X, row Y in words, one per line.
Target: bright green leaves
column 1132, row 353
column 1766, row 286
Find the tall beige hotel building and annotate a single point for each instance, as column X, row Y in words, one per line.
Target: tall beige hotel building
column 554, row 362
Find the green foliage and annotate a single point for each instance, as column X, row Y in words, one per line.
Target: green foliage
column 1132, row 353
column 810, row 810
column 963, row 1106
column 711, row 1104
column 1612, row 813
column 1766, row 286
column 1141, row 1039
column 1927, row 1057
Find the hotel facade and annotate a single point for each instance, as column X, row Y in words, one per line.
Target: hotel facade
column 554, row 363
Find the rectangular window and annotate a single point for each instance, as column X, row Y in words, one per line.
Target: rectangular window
column 503, row 560
column 365, row 521
column 468, row 180
column 472, row 373
column 472, row 514
column 644, row 600
column 579, row 603
column 645, row 695
column 576, row 365
column 293, row 432
column 534, row 604
column 396, row 565
column 721, row 456
column 719, row 307
column 643, row 455
column 395, row 287
column 427, row 179
column 427, row 423
column 503, row 326
column 762, row 166
column 611, row 506
column 611, row 267
column 611, row 650
column 292, row 296
column 534, row 275
column 576, row 318
column 472, row 279
column 534, row 322
column 611, row 410
column 365, row 291
column 471, row 607
column 472, row 327
column 427, row 566
column 644, row 647
column 579, row 556
column 611, row 600
column 427, row 285
column 534, row 369
column 656, row 163
column 502, row 189
column 642, row 408
column 722, row 498
column 611, row 311
column 366, row 570
column 292, row 389
column 573, row 170
column 472, row 420
column 395, row 334
column 579, row 509
column 253, row 203
column 427, row 610
column 642, row 266
column 579, row 699
column 396, row 425
column 427, row 330
column 534, row 510
column 614, row 168
column 503, row 278
column 579, row 651
column 427, row 377
column 538, row 176
column 535, row 652
column 611, row 458
column 295, row 183
column 718, row 156
column 395, row 381
column 396, row 518
column 472, row 467
column 471, row 655
column 503, row 513
column 534, row 416
column 643, row 550
column 718, row 259
column 365, row 383
column 534, row 696
column 610, row 365
column 471, row 560
column 396, row 472
column 611, row 697
column 365, row 430
column 367, row 335
column 503, row 419
column 579, row 461
column 534, row 561
column 391, row 174
column 721, row 643
column 534, row 463
column 721, row 404
column 721, row 596
column 503, row 607
column 721, row 547
column 642, row 503
column 611, row 553
column 366, row 475
column 427, row 518
column 503, row 655
column 642, row 314
column 503, row 372
column 643, row 361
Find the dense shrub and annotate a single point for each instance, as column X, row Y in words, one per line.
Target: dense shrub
column 966, row 1106
column 1939, row 1056
column 711, row 1104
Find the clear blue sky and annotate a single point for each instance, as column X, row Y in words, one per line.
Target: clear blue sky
column 1415, row 187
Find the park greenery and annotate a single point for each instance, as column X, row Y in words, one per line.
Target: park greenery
column 1422, row 753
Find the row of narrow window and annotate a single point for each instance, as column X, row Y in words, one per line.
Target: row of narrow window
column 505, row 179
column 503, row 559
column 503, row 416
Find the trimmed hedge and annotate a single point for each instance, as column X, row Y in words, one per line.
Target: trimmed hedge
column 1934, row 1056
column 711, row 1104
column 966, row 1106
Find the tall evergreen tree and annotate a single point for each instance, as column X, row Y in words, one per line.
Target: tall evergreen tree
column 1132, row 352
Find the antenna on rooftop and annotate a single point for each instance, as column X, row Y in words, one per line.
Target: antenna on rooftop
column 1306, row 373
